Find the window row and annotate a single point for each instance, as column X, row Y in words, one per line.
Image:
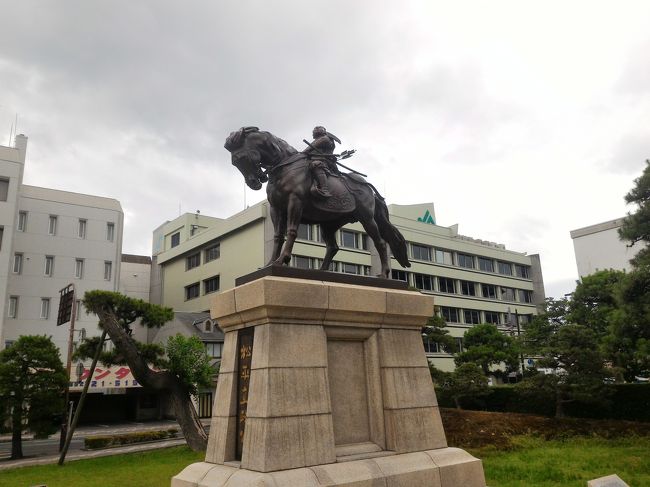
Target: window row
column 431, row 346
column 303, row 262
column 52, row 225
column 44, row 308
column 426, row 282
column 348, row 239
column 485, row 264
column 476, row 317
column 48, row 268
column 209, row 254
column 210, row 285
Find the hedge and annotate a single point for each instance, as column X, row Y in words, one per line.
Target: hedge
column 95, row 442
column 627, row 401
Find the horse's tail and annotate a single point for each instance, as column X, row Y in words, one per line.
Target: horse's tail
column 390, row 233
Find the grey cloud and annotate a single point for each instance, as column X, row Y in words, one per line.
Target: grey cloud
column 629, row 153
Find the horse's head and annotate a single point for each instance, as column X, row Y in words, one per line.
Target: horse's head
column 246, row 156
column 254, row 150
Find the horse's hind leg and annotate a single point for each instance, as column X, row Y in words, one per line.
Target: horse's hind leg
column 371, row 228
column 329, row 236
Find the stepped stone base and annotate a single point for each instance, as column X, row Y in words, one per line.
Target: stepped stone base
column 444, row 467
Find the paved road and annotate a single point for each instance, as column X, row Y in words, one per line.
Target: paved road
column 46, row 451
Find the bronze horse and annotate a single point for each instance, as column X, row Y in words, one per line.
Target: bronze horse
column 261, row 156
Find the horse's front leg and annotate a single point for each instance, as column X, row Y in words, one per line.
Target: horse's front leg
column 279, row 220
column 294, row 214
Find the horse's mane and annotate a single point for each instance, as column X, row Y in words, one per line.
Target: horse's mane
column 275, row 148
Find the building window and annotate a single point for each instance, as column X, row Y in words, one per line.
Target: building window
column 423, row 282
column 525, row 296
column 446, row 285
column 108, row 270
column 349, row 268
column 421, row 252
column 444, row 257
column 466, row 261
column 213, row 253
column 81, row 229
column 4, row 189
column 525, row 319
column 505, row 268
column 2, row 234
column 507, row 294
column 491, row 317
column 486, row 265
column 472, row 316
column 467, row 288
column 459, row 345
column 211, row 285
column 399, row 275
column 45, row 308
column 79, row 309
column 110, row 231
column 429, row 345
column 301, row 262
column 449, row 314
column 79, row 268
column 49, row 265
column 51, row 227
column 12, row 312
column 522, row 271
column 176, row 239
column 18, row 264
column 22, row 221
column 213, row 349
column 304, row 232
column 193, row 261
column 489, row 291
column 192, row 291
column 354, row 240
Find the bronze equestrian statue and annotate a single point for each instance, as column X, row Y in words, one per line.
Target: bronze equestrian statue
column 298, row 193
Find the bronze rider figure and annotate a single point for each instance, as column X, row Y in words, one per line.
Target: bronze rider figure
column 323, row 162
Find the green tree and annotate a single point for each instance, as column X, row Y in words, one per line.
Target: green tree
column 579, row 373
column 468, row 380
column 32, row 381
column 628, row 342
column 182, row 365
column 486, row 346
column 595, row 301
column 436, row 331
column 636, row 226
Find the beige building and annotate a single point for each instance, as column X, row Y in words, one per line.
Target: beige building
column 598, row 247
column 474, row 281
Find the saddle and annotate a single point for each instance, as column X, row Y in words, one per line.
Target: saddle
column 341, row 199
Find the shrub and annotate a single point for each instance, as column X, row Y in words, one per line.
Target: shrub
column 105, row 441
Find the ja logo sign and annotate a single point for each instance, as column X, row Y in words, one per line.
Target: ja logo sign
column 427, row 218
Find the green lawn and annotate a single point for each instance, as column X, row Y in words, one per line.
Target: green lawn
column 147, row 469
column 531, row 462
column 571, row 462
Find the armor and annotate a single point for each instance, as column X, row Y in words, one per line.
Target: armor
column 323, row 162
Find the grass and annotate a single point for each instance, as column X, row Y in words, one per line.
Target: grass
column 147, row 469
column 571, row 462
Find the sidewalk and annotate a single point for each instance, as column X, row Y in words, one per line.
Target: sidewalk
column 99, row 429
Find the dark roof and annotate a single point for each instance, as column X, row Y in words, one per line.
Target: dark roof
column 136, row 259
column 194, row 323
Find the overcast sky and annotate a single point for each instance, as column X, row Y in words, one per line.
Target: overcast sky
column 520, row 120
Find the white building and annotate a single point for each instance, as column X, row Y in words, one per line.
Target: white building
column 598, row 247
column 51, row 239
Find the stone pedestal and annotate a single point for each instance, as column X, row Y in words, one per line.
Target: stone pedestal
column 335, row 391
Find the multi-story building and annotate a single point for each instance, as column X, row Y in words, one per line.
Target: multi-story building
column 51, row 239
column 598, row 247
column 474, row 281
